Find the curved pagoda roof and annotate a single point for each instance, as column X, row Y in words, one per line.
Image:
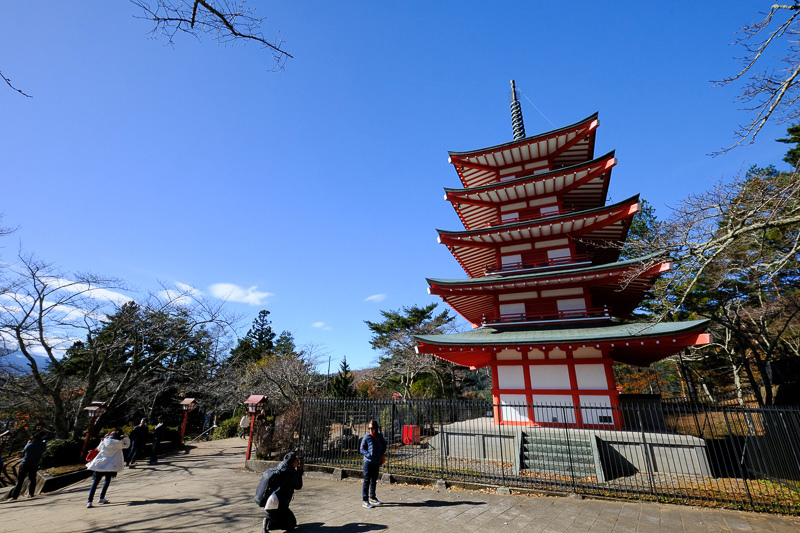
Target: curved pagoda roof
column 617, row 289
column 582, row 186
column 553, row 149
column 477, row 249
column 632, row 343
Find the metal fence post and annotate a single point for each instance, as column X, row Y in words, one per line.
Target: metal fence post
column 646, row 450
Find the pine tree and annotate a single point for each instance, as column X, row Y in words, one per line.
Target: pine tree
column 342, row 384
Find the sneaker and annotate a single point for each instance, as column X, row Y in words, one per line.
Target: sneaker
column 89, row 505
column 367, row 504
column 374, row 501
column 104, row 500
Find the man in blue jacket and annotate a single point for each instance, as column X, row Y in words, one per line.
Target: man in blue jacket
column 373, row 448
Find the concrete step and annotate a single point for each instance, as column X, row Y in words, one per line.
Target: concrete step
column 560, row 467
column 544, row 458
column 549, row 449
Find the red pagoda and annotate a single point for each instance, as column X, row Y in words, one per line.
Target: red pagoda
column 546, row 291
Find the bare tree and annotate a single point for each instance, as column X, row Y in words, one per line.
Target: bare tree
column 771, row 85
column 735, row 249
column 284, row 379
column 225, row 21
column 75, row 333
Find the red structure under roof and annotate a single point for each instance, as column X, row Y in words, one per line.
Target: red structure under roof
column 544, row 285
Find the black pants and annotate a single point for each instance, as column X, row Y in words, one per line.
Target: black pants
column 154, row 452
column 135, row 447
column 280, row 518
column 370, row 480
column 96, row 477
column 25, row 471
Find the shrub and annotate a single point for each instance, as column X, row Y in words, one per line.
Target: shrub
column 277, row 435
column 226, row 429
column 61, row 452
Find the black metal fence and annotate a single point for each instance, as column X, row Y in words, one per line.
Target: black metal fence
column 672, row 451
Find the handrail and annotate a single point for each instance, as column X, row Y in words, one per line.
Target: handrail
column 499, row 220
column 550, row 262
column 571, row 315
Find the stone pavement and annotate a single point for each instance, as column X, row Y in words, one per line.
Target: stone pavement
column 207, row 489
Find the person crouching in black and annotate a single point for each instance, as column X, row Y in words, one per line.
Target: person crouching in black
column 290, row 479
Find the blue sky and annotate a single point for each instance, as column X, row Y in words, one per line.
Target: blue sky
column 315, row 192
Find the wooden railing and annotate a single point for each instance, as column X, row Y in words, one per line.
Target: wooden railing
column 574, row 315
column 524, row 218
column 547, row 263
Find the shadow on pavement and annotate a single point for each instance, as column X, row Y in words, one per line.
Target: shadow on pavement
column 347, row 528
column 429, row 503
column 165, row 500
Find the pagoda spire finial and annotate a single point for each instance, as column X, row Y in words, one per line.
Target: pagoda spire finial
column 516, row 114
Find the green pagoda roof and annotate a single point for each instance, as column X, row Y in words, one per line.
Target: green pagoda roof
column 511, row 336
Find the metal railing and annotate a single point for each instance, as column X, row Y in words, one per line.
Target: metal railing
column 676, row 451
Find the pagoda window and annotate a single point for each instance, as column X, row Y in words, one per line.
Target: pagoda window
column 590, row 412
column 509, row 217
column 572, row 307
column 553, row 414
column 513, row 311
column 549, row 210
column 511, row 260
column 559, row 256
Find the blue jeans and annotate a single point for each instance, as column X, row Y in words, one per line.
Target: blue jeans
column 96, row 477
column 370, row 480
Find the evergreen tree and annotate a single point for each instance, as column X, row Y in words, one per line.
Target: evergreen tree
column 342, row 384
column 401, row 366
column 793, row 155
column 259, row 341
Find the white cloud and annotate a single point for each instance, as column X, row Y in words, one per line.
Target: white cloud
column 183, row 294
column 321, row 325
column 235, row 293
column 85, row 289
column 375, row 298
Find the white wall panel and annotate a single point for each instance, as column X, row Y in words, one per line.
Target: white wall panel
column 592, row 410
column 513, row 408
column 546, row 409
column 591, row 377
column 510, row 377
column 549, row 377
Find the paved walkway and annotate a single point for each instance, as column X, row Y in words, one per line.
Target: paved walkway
column 206, row 489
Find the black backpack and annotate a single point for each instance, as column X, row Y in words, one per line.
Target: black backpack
column 266, row 486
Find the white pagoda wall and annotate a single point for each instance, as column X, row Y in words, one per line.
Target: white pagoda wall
column 525, row 377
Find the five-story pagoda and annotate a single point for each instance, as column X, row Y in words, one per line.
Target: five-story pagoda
column 546, row 291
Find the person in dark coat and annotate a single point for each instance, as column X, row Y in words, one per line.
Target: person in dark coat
column 138, row 438
column 373, row 448
column 290, row 479
column 31, row 455
column 158, row 434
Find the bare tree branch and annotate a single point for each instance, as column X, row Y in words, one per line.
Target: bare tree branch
column 225, row 20
column 8, row 82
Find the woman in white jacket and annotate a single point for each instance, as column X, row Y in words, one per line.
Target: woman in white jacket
column 107, row 463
